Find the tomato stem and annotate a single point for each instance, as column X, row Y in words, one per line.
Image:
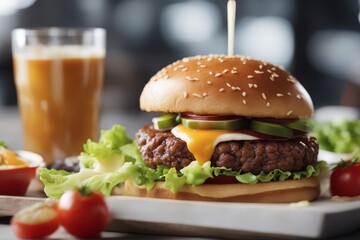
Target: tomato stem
column 84, row 191
column 347, row 163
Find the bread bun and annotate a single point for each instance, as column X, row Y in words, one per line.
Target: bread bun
column 235, row 85
column 271, row 192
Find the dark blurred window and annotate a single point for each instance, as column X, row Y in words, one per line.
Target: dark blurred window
column 316, row 40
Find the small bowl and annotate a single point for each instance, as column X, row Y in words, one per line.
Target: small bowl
column 15, row 181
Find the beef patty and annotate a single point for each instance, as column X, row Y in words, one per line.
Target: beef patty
column 163, row 148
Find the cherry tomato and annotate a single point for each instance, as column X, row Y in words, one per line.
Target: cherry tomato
column 82, row 214
column 36, row 221
column 345, row 179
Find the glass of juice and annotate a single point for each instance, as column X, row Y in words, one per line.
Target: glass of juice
column 59, row 74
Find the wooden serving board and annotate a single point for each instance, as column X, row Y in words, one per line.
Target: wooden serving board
column 9, row 205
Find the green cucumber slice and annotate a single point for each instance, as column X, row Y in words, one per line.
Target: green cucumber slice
column 271, row 129
column 301, row 125
column 216, row 125
column 165, row 122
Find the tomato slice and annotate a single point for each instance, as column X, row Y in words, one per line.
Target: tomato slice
column 36, row 221
column 208, row 116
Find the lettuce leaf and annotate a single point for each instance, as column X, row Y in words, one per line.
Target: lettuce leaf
column 103, row 165
column 58, row 181
column 195, row 174
column 115, row 137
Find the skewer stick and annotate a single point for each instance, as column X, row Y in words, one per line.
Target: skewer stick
column 231, row 13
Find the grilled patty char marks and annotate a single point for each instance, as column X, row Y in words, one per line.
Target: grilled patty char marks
column 163, row 148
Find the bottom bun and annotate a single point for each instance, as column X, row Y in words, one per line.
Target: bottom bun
column 271, row 192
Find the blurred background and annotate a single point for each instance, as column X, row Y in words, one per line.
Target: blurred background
column 318, row 41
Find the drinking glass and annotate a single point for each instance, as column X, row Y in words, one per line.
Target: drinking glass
column 59, row 74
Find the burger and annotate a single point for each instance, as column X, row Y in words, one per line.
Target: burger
column 230, row 129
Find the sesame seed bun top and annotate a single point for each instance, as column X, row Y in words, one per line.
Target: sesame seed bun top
column 235, row 85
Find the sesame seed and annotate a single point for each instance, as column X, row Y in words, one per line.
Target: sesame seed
column 289, row 93
column 186, row 60
column 244, row 94
column 243, row 62
column 217, row 74
column 166, row 77
column 202, row 66
column 210, row 72
column 273, row 68
column 221, row 89
column 204, row 94
column 291, row 79
column 221, row 60
column 279, row 94
column 258, row 72
column 198, row 63
column 228, row 84
column 198, row 70
column 289, row 112
column 244, row 101
column 260, row 66
column 272, row 78
column 209, row 82
column 255, row 85
column 238, row 88
column 275, row 74
column 197, row 95
column 250, row 76
column 268, row 104
column 181, row 66
column 233, row 71
column 250, row 85
column 209, row 59
column 298, row 96
column 233, row 88
column 269, row 71
column 234, row 68
column 175, row 68
column 263, row 95
column 191, row 79
column 185, row 94
column 225, row 71
column 184, row 69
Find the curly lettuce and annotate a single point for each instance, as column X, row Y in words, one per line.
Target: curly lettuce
column 115, row 158
column 195, row 174
column 103, row 165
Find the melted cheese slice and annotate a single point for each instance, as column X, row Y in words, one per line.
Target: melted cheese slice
column 201, row 143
